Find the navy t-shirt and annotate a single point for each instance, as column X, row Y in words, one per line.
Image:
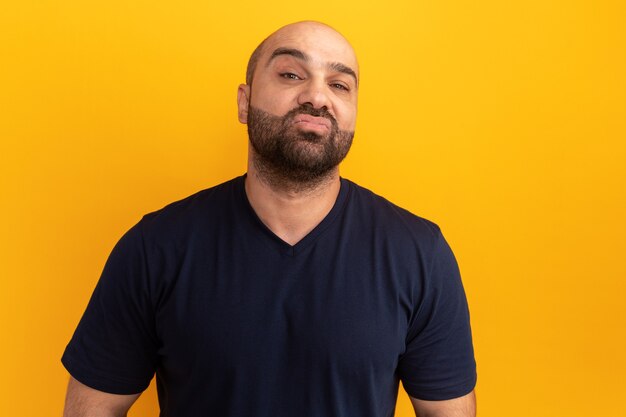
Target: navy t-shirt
column 237, row 323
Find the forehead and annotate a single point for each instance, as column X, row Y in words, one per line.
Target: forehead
column 322, row 44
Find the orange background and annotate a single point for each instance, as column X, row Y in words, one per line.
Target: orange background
column 504, row 122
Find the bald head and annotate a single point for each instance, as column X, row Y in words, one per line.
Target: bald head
column 311, row 31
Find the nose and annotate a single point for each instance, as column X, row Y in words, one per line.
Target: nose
column 314, row 94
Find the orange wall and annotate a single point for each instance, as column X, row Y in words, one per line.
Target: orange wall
column 504, row 122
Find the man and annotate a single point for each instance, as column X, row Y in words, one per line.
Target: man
column 288, row 291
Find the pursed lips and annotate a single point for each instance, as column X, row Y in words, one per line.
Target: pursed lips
column 312, row 122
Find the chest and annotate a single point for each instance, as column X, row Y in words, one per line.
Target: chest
column 257, row 312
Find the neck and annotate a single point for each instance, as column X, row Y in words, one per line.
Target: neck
column 291, row 210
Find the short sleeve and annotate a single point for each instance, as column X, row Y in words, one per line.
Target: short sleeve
column 114, row 346
column 438, row 363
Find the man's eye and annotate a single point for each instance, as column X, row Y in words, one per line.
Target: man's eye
column 340, row 86
column 290, row 75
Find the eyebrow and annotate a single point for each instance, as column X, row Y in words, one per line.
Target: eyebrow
column 298, row 54
column 338, row 66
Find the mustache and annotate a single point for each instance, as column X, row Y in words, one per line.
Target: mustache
column 311, row 111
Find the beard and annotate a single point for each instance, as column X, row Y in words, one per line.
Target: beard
column 286, row 156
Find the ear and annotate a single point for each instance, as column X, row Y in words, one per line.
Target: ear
column 243, row 101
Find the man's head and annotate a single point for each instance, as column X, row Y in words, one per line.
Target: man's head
column 300, row 102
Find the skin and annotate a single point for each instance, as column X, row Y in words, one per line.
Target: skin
column 464, row 406
column 282, row 83
column 83, row 401
column 320, row 77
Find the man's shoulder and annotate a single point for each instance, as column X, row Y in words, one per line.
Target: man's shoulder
column 382, row 213
column 209, row 204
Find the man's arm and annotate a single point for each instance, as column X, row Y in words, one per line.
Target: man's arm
column 464, row 406
column 83, row 401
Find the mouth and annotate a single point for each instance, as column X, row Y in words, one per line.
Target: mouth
column 312, row 123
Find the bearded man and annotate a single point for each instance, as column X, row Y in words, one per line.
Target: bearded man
column 288, row 291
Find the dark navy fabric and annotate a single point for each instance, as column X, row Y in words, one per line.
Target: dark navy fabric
column 236, row 322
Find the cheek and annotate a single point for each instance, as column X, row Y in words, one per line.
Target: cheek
column 347, row 119
column 274, row 102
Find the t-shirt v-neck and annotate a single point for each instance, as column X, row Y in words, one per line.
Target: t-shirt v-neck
column 282, row 246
